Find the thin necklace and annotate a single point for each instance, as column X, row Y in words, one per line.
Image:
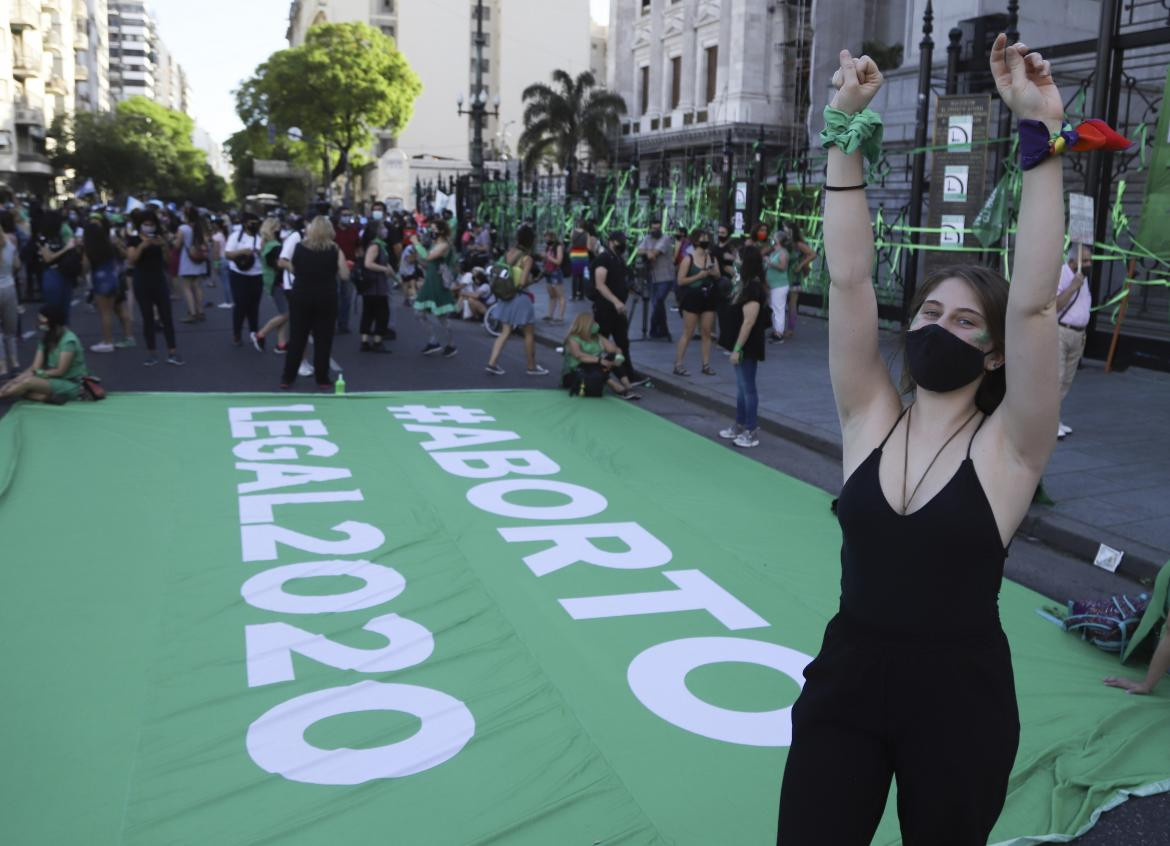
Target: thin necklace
column 906, row 457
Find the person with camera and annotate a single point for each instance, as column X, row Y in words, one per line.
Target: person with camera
column 146, row 254
column 592, row 361
column 243, row 254
column 698, row 276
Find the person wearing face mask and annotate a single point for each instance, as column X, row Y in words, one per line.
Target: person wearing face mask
column 243, row 253
column 146, row 255
column 699, row 296
column 376, row 273
column 658, row 250
column 591, row 358
column 726, row 255
column 349, row 241
column 58, row 367
column 742, row 333
column 610, row 278
column 933, row 494
column 436, row 299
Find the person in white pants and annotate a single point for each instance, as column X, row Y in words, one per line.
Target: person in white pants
column 777, row 275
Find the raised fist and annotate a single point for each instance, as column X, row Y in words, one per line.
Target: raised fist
column 1025, row 82
column 857, row 81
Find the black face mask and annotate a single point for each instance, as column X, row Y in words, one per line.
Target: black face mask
column 704, row 245
column 940, row 361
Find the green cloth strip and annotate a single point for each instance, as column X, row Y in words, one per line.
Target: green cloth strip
column 850, row 133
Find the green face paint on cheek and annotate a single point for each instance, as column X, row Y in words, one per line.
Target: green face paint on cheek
column 983, row 338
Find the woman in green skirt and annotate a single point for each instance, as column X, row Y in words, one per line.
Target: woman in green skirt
column 440, row 278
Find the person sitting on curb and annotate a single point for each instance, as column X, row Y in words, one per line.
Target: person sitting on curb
column 587, row 349
column 58, row 366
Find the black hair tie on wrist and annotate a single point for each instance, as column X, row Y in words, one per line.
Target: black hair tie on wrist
column 847, row 187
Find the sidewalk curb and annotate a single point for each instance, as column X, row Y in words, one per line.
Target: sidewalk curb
column 1071, row 537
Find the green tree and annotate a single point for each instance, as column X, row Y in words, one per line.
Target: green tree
column 562, row 121
column 252, row 143
column 140, row 147
column 344, row 80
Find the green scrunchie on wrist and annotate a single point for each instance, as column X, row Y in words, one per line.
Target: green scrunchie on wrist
column 852, row 132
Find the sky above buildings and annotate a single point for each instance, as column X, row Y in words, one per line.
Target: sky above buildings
column 220, row 42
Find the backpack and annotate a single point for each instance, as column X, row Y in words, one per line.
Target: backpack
column 1108, row 624
column 197, row 252
column 91, row 388
column 272, row 257
column 503, row 288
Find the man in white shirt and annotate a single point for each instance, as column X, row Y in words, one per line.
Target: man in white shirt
column 288, row 246
column 1073, row 304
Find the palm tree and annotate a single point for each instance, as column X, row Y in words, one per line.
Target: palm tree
column 558, row 122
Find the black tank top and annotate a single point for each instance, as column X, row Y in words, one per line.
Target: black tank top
column 935, row 571
column 315, row 270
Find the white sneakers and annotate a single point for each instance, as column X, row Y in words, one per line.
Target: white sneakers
column 102, row 348
column 1063, row 432
column 741, row 437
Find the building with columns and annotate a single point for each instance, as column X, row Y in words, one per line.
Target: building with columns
column 703, row 79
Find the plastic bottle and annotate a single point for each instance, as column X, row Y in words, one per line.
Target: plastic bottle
column 339, row 385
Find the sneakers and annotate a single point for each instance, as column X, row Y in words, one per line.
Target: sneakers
column 748, row 438
column 280, row 349
column 305, row 369
column 731, row 432
column 151, row 360
column 639, row 380
column 102, row 348
column 537, row 371
column 125, row 344
column 1063, row 432
column 495, row 370
column 432, row 349
column 257, row 341
column 225, row 305
column 449, row 351
column 175, row 359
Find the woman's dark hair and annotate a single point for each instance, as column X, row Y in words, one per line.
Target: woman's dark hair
column 55, row 315
column 525, row 237
column 751, row 264
column 370, row 233
column 49, row 226
column 794, row 231
column 96, row 240
column 991, row 290
column 761, row 225
column 149, row 216
column 7, row 222
column 697, row 233
column 442, row 230
column 195, row 221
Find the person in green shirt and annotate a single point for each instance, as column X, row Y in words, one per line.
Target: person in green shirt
column 585, row 348
column 776, row 275
column 57, row 368
column 272, row 278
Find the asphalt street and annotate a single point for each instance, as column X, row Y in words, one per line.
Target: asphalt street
column 214, row 364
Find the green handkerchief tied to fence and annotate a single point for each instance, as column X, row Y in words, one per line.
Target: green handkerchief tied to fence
column 853, row 132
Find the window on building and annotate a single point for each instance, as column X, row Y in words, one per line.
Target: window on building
column 388, row 6
column 487, row 39
column 487, row 12
column 712, row 71
column 675, row 80
column 645, row 7
column 388, row 31
column 645, row 88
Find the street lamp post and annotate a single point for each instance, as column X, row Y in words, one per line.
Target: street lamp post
column 477, row 108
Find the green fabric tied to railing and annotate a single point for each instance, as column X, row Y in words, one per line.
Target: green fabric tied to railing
column 850, row 133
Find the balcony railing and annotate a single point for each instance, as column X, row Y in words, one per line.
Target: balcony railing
column 25, row 114
column 26, row 63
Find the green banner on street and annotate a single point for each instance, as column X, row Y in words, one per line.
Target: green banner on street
column 448, row 618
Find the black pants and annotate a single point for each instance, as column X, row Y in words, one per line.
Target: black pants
column 939, row 716
column 316, row 314
column 375, row 314
column 615, row 327
column 152, row 292
column 247, row 292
